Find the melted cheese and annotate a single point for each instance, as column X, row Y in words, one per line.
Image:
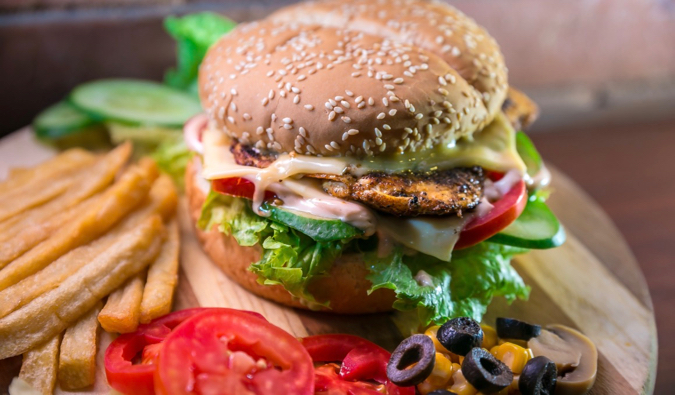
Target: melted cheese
column 493, row 148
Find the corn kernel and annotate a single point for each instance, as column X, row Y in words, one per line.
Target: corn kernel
column 513, row 356
column 442, row 372
column 425, row 387
column 461, row 386
column 489, row 337
column 431, row 332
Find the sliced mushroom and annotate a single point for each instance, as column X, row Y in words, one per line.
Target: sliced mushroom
column 574, row 354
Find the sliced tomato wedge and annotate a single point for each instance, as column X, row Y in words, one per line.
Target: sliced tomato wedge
column 129, row 375
column 238, row 187
column 230, row 352
column 504, row 212
column 362, row 368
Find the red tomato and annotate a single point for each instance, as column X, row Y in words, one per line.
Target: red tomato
column 229, row 352
column 238, row 187
column 122, row 368
column 505, row 211
column 362, row 362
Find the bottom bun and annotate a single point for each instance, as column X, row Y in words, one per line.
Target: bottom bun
column 344, row 287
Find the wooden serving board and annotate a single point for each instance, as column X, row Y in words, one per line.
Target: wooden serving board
column 591, row 283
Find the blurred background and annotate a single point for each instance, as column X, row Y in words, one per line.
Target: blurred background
column 602, row 71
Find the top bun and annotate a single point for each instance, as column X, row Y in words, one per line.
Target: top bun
column 354, row 77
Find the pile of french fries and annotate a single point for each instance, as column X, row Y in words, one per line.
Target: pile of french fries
column 85, row 241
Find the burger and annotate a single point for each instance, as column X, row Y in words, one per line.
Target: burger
column 359, row 156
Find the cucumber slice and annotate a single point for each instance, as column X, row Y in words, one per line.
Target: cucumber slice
column 59, row 120
column 319, row 229
column 135, row 102
column 537, row 227
column 528, row 152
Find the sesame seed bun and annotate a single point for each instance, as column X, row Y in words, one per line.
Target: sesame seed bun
column 345, row 286
column 354, row 77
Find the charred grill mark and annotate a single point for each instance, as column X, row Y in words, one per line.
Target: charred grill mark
column 247, row 155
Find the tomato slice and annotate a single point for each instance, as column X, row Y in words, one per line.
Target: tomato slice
column 504, row 212
column 363, row 368
column 230, row 352
column 122, row 370
column 238, row 187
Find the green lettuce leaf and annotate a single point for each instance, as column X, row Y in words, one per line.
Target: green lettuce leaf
column 462, row 287
column 195, row 33
column 172, row 158
column 290, row 258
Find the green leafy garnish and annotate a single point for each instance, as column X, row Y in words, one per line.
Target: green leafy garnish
column 195, row 33
column 528, row 152
column 172, row 157
column 443, row 290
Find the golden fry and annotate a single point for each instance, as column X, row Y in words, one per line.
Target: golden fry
column 122, row 311
column 39, row 366
column 77, row 360
column 69, row 160
column 162, row 278
column 89, row 181
column 117, row 201
column 161, row 200
column 52, row 312
column 14, row 203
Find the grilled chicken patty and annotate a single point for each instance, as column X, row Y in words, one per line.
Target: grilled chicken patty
column 404, row 194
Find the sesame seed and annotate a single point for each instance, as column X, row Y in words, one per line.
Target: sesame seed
column 349, row 93
column 378, row 132
column 309, row 107
column 447, row 120
column 442, row 81
column 296, row 99
column 339, row 110
column 328, row 106
column 338, row 98
column 331, row 115
column 371, row 102
column 394, row 98
column 356, row 74
column 352, row 132
column 386, row 127
column 385, row 102
column 345, row 103
column 332, row 102
column 288, row 126
column 233, row 92
column 274, row 117
column 383, row 147
column 231, row 119
column 398, row 80
column 301, row 77
column 265, row 101
column 389, row 86
column 302, row 132
column 361, row 105
column 424, row 66
column 358, row 100
column 381, row 115
column 247, row 116
column 378, row 141
column 345, row 136
column 282, row 93
column 443, row 92
column 295, row 89
column 437, row 114
column 259, row 131
column 233, row 107
column 346, row 120
column 271, row 94
column 392, row 112
column 270, row 73
column 328, row 147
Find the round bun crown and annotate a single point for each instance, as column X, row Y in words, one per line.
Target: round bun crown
column 354, row 77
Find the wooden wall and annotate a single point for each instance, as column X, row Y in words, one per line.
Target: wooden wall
column 584, row 61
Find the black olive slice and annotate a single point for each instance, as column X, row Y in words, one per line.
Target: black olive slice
column 460, row 335
column 509, row 328
column 418, row 350
column 539, row 377
column 441, row 392
column 485, row 372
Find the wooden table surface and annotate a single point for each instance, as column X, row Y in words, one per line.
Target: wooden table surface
column 630, row 171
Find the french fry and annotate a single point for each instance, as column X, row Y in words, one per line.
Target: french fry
column 39, row 366
column 122, row 311
column 69, row 160
column 162, row 278
column 52, row 312
column 28, row 229
column 77, row 359
column 161, row 200
column 13, row 202
column 117, row 201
